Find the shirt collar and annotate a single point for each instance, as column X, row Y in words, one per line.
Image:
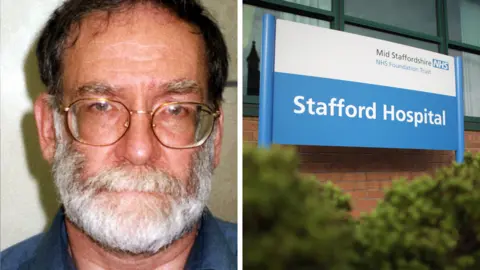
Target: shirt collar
column 210, row 250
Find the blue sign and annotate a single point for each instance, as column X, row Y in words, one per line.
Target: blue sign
column 326, row 87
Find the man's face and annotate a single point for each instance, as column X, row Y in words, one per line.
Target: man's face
column 139, row 53
column 135, row 188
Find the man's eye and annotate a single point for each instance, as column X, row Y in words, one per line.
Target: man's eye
column 176, row 110
column 101, row 106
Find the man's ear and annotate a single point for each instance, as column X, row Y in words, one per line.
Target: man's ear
column 218, row 138
column 45, row 126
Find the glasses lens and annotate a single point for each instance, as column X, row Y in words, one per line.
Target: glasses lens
column 183, row 124
column 97, row 122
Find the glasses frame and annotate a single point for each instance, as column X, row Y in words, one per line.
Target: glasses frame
column 213, row 112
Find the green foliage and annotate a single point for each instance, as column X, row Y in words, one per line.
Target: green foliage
column 429, row 223
column 291, row 221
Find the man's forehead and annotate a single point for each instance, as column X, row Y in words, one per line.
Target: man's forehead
column 141, row 23
column 135, row 47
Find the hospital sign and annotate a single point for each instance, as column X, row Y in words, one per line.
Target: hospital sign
column 326, row 87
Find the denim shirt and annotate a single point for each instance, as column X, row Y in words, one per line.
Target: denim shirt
column 215, row 248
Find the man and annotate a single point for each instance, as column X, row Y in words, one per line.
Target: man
column 132, row 125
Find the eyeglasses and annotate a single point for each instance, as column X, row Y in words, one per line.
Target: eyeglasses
column 102, row 122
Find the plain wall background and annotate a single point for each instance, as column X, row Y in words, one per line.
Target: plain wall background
column 28, row 199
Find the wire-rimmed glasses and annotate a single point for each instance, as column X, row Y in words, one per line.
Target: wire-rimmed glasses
column 102, row 122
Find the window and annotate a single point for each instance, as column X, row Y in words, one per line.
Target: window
column 471, row 81
column 415, row 15
column 444, row 26
column 321, row 4
column 464, row 21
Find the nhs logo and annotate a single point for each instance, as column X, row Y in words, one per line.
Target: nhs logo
column 440, row 64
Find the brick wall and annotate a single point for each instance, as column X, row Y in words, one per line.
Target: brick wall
column 364, row 172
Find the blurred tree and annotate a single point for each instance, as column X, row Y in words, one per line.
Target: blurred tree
column 429, row 223
column 291, row 221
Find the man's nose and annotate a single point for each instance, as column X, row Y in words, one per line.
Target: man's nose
column 139, row 139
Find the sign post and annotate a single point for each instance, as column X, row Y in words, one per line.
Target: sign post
column 459, row 153
column 266, row 81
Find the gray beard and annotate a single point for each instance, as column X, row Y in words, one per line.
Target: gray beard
column 131, row 224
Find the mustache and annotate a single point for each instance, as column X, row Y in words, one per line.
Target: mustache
column 126, row 180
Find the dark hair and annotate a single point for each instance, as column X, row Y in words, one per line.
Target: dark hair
column 59, row 28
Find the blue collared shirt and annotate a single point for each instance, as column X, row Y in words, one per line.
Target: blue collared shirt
column 215, row 248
